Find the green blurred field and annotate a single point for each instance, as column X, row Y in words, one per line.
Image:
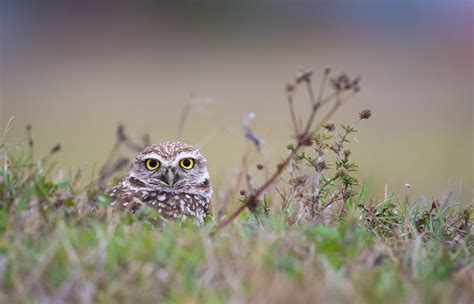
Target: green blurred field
column 54, row 249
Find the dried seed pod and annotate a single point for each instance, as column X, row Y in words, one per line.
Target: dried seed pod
column 330, row 126
column 56, row 149
column 290, row 87
column 347, row 152
column 304, row 76
column 365, row 114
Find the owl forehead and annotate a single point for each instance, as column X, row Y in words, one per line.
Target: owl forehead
column 168, row 151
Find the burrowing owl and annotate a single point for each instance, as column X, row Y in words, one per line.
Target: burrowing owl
column 170, row 177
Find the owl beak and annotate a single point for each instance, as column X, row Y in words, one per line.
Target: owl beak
column 170, row 178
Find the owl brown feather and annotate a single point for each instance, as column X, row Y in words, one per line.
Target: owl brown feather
column 170, row 189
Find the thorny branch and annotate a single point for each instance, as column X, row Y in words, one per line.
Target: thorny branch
column 340, row 85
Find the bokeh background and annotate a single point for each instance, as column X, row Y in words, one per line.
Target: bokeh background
column 75, row 71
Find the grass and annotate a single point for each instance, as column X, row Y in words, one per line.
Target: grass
column 305, row 240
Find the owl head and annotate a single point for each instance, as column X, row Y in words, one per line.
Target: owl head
column 170, row 167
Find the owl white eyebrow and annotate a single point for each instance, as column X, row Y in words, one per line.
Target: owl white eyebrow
column 151, row 155
column 185, row 155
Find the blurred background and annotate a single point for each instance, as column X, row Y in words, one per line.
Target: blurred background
column 75, row 71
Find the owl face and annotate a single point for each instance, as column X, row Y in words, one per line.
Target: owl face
column 170, row 167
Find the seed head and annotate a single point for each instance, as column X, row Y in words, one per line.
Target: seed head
column 342, row 172
column 356, row 81
column 336, row 84
column 343, row 78
column 330, row 126
column 347, row 152
column 242, row 192
column 56, row 149
column 365, row 114
column 252, row 203
column 305, row 139
column 304, row 76
column 290, row 87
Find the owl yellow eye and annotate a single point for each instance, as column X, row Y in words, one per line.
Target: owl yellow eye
column 152, row 164
column 187, row 163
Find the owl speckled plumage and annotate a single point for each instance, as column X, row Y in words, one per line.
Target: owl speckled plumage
column 170, row 177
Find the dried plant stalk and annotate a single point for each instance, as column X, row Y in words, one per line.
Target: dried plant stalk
column 303, row 138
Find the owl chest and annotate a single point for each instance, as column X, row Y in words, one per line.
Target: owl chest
column 172, row 205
